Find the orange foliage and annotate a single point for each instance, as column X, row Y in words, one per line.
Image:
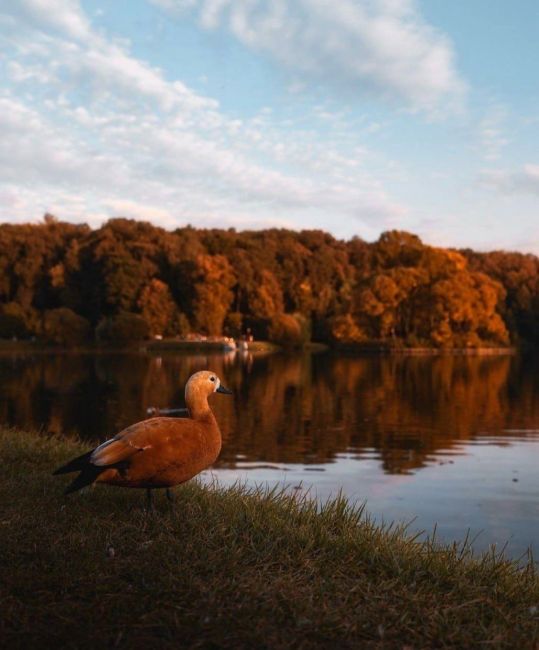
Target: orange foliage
column 213, row 285
column 158, row 308
column 287, row 330
column 397, row 290
column 344, row 329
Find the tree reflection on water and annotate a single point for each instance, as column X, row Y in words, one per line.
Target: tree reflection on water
column 405, row 411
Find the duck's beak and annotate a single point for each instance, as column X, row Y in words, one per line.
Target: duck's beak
column 224, row 390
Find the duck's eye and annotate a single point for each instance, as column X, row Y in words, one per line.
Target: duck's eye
column 212, row 378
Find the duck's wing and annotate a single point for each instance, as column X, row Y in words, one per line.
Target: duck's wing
column 134, row 440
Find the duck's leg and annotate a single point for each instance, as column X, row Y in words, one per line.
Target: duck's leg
column 169, row 496
column 149, row 500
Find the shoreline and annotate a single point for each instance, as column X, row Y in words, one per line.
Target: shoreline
column 234, row 569
column 381, row 350
column 172, row 345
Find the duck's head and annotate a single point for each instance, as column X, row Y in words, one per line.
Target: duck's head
column 202, row 384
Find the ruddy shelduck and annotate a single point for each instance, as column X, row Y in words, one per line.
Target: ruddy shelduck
column 160, row 452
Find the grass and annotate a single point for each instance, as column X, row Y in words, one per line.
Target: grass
column 233, row 569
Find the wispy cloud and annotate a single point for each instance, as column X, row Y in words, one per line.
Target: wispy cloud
column 383, row 47
column 88, row 127
column 492, row 135
column 524, row 180
column 61, row 16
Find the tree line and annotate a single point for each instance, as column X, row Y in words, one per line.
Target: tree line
column 129, row 280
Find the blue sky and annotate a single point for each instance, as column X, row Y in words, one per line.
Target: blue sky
column 354, row 116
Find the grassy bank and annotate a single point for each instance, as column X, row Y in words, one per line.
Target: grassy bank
column 227, row 569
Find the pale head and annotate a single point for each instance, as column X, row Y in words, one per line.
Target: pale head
column 201, row 385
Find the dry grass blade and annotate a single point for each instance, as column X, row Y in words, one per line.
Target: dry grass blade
column 234, row 568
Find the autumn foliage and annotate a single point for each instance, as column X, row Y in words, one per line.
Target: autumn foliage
column 67, row 283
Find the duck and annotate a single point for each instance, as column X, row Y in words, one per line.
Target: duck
column 160, row 452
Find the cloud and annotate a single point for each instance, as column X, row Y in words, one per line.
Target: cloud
column 523, row 181
column 64, row 16
column 90, row 131
column 132, row 210
column 98, row 65
column 492, row 138
column 35, row 151
column 383, row 47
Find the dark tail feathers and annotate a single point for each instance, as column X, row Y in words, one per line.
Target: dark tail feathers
column 75, row 465
column 88, row 472
column 87, row 476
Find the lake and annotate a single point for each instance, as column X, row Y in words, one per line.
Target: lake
column 450, row 441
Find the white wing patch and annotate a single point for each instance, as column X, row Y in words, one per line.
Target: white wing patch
column 99, row 453
column 114, row 451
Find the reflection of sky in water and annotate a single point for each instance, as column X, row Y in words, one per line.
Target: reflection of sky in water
column 445, row 440
column 490, row 488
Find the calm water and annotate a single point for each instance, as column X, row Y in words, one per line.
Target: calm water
column 451, row 441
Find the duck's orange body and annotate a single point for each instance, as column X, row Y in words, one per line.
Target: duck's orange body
column 160, row 452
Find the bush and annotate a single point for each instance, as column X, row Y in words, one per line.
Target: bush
column 233, row 324
column 12, row 321
column 64, row 327
column 290, row 330
column 344, row 329
column 181, row 325
column 123, row 329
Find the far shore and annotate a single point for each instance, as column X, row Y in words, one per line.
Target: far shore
column 389, row 350
column 266, row 347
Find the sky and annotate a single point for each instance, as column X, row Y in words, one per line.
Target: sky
column 351, row 116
